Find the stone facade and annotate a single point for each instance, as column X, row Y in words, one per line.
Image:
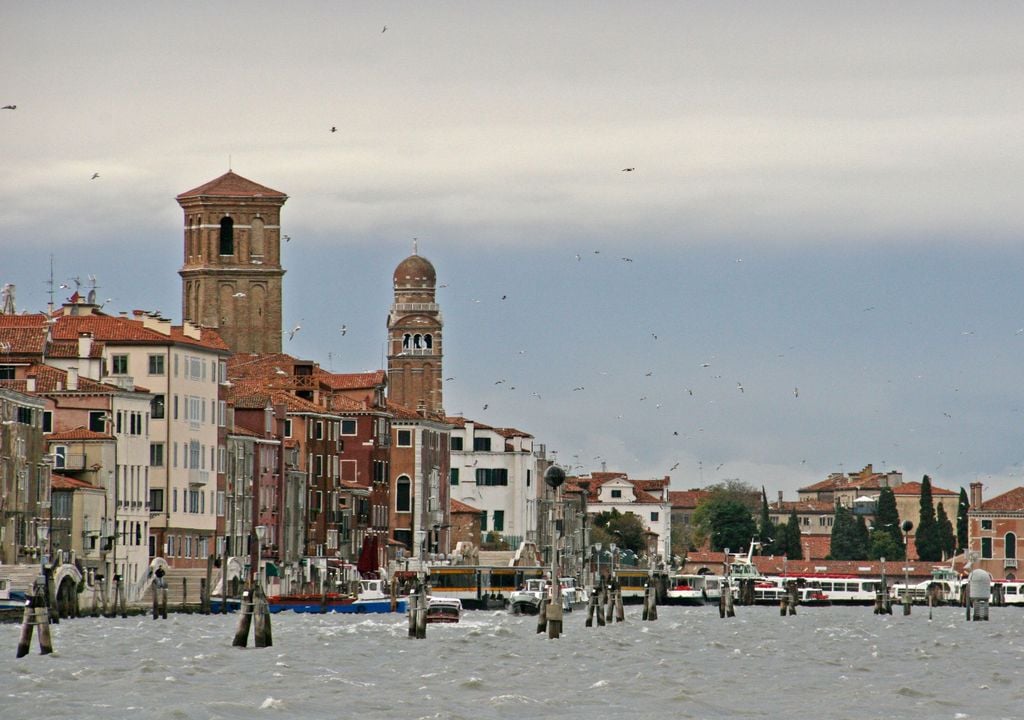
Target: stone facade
column 232, row 274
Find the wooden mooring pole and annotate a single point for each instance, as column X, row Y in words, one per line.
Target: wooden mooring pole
column 244, row 621
column 262, row 635
column 159, row 595
column 36, row 614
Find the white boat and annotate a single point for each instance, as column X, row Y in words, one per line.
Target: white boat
column 944, row 586
column 572, row 595
column 841, row 589
column 443, row 609
column 527, row 600
column 689, row 589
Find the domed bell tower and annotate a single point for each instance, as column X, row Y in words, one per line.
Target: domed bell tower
column 232, row 276
column 415, row 347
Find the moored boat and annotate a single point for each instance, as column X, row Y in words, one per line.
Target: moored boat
column 527, row 600
column 443, row 609
column 687, row 589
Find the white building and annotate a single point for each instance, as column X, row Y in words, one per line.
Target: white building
column 647, row 499
column 496, row 470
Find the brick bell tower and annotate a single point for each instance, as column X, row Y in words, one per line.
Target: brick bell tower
column 231, row 279
column 415, row 338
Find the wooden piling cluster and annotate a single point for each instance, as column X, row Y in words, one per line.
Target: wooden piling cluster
column 650, row 612
column 725, row 601
column 789, row 599
column 37, row 614
column 418, row 601
column 159, row 595
column 255, row 612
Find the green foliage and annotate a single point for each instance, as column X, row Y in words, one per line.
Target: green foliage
column 884, row 546
column 727, row 521
column 847, row 541
column 625, row 530
column 926, row 538
column 961, row 520
column 944, row 529
column 794, row 548
column 766, row 531
column 887, row 520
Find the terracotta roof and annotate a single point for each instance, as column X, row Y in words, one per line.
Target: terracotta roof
column 457, row 506
column 231, row 185
column 914, row 488
column 351, row 381
column 244, row 431
column 1010, row 501
column 62, row 482
column 255, row 395
column 597, row 479
column 680, row 499
column 78, row 433
column 47, row 380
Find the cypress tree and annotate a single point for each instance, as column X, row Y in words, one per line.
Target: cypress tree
column 947, row 538
column 927, row 537
column 887, row 520
column 863, row 539
column 846, row 543
column 765, row 529
column 794, row 550
column 961, row 520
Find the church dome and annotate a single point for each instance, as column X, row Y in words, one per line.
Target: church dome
column 415, row 272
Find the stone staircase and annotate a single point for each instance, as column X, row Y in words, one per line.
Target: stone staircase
column 495, row 558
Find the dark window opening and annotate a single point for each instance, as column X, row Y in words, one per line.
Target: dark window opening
column 227, row 236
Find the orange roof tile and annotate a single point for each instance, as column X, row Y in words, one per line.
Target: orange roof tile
column 231, row 185
column 681, row 499
column 458, row 506
column 1010, row 501
column 78, row 433
column 914, row 488
column 62, row 482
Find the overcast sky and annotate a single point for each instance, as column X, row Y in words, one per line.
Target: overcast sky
column 825, row 209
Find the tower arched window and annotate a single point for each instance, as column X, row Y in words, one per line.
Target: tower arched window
column 227, row 236
column 428, row 342
column 1010, row 546
column 403, row 494
column 417, row 341
column 406, row 339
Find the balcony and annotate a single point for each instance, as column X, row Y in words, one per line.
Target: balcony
column 69, row 462
column 417, row 307
column 1009, row 563
column 198, row 477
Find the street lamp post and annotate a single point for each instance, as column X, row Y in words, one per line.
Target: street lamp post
column 261, row 532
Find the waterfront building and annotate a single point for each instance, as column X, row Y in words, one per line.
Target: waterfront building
column 647, row 499
column 995, row 528
column 496, row 470
column 24, row 473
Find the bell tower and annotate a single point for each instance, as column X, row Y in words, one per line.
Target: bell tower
column 415, row 347
column 231, row 278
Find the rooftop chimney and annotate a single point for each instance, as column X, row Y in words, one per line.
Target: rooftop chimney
column 976, row 495
column 72, row 378
column 84, row 344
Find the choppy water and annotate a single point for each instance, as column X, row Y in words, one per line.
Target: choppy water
column 822, row 663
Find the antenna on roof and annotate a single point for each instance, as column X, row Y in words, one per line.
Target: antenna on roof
column 414, row 247
column 229, row 162
column 49, row 284
column 7, row 300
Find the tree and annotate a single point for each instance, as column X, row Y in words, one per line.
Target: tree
column 884, row 546
column 766, row 530
column 944, row 528
column 725, row 516
column 863, row 538
column 961, row 520
column 887, row 520
column 727, row 522
column 794, row 549
column 625, row 530
column 927, row 538
column 846, row 539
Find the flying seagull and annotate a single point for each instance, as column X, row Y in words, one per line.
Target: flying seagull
column 628, row 169
column 334, row 128
column 94, row 176
column 9, row 107
column 344, row 329
column 385, row 29
column 287, row 238
column 239, row 295
column 294, row 330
